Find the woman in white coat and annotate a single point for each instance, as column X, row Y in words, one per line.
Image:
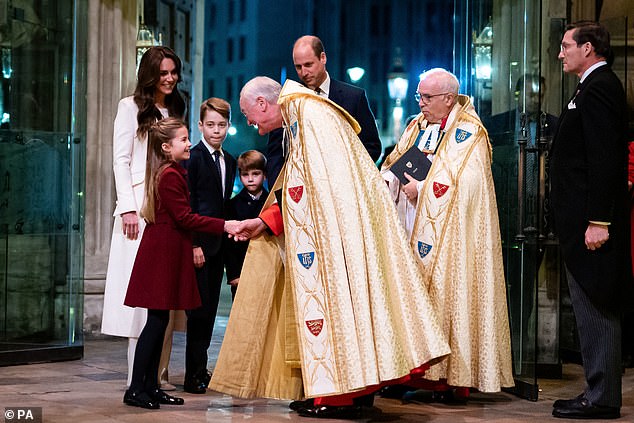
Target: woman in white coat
column 155, row 97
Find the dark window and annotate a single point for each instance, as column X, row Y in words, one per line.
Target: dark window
column 243, row 10
column 240, row 81
column 212, row 16
column 242, row 48
column 229, row 89
column 387, row 19
column 374, row 20
column 210, row 88
column 211, row 53
column 431, row 11
column 188, row 37
column 230, row 50
column 231, row 11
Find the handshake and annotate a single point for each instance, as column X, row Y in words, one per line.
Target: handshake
column 243, row 230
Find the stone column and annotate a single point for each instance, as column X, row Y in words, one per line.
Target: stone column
column 112, row 27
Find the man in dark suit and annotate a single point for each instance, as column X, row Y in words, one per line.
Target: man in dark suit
column 309, row 58
column 211, row 172
column 589, row 203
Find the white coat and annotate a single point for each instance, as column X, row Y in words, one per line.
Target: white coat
column 129, row 158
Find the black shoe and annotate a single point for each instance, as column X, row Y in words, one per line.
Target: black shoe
column 140, row 399
column 205, row 377
column 163, row 398
column 331, row 412
column 364, row 400
column 394, row 391
column 583, row 409
column 568, row 402
column 195, row 386
column 448, row 397
column 296, row 405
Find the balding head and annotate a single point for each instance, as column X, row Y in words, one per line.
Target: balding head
column 258, row 104
column 438, row 91
column 446, row 80
column 309, row 59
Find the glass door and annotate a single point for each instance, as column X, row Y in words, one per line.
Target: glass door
column 42, row 179
column 498, row 51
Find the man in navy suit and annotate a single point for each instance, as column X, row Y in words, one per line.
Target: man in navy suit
column 211, row 172
column 589, row 203
column 309, row 58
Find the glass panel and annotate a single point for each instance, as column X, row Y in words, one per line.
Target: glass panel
column 41, row 229
column 498, row 49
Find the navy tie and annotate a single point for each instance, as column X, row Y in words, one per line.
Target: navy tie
column 216, row 155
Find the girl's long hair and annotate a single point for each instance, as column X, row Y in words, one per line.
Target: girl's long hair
column 149, row 75
column 162, row 131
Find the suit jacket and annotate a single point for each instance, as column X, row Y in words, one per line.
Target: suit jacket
column 241, row 207
column 354, row 101
column 207, row 196
column 589, row 183
column 163, row 275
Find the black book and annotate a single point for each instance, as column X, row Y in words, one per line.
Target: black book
column 414, row 162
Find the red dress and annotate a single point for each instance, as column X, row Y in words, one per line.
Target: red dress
column 163, row 276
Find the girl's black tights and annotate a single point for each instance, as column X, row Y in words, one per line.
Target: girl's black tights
column 148, row 352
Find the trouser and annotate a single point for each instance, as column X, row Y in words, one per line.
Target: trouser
column 600, row 339
column 200, row 321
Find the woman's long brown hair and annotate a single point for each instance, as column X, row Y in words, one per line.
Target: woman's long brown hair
column 149, row 75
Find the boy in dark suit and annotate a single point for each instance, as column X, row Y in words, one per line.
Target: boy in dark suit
column 211, row 172
column 246, row 205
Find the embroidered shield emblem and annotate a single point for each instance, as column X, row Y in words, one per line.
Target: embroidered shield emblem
column 315, row 326
column 294, row 129
column 462, row 135
column 306, row 259
column 423, row 249
column 440, row 189
column 296, row 193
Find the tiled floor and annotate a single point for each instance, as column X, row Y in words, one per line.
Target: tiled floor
column 91, row 391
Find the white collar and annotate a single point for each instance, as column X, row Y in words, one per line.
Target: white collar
column 255, row 197
column 211, row 149
column 325, row 86
column 591, row 68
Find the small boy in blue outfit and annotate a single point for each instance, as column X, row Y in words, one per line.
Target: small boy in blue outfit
column 246, row 205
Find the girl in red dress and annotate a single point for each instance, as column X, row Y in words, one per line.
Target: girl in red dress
column 163, row 277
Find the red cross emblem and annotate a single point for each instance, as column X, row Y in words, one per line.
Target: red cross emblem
column 440, row 189
column 296, row 193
